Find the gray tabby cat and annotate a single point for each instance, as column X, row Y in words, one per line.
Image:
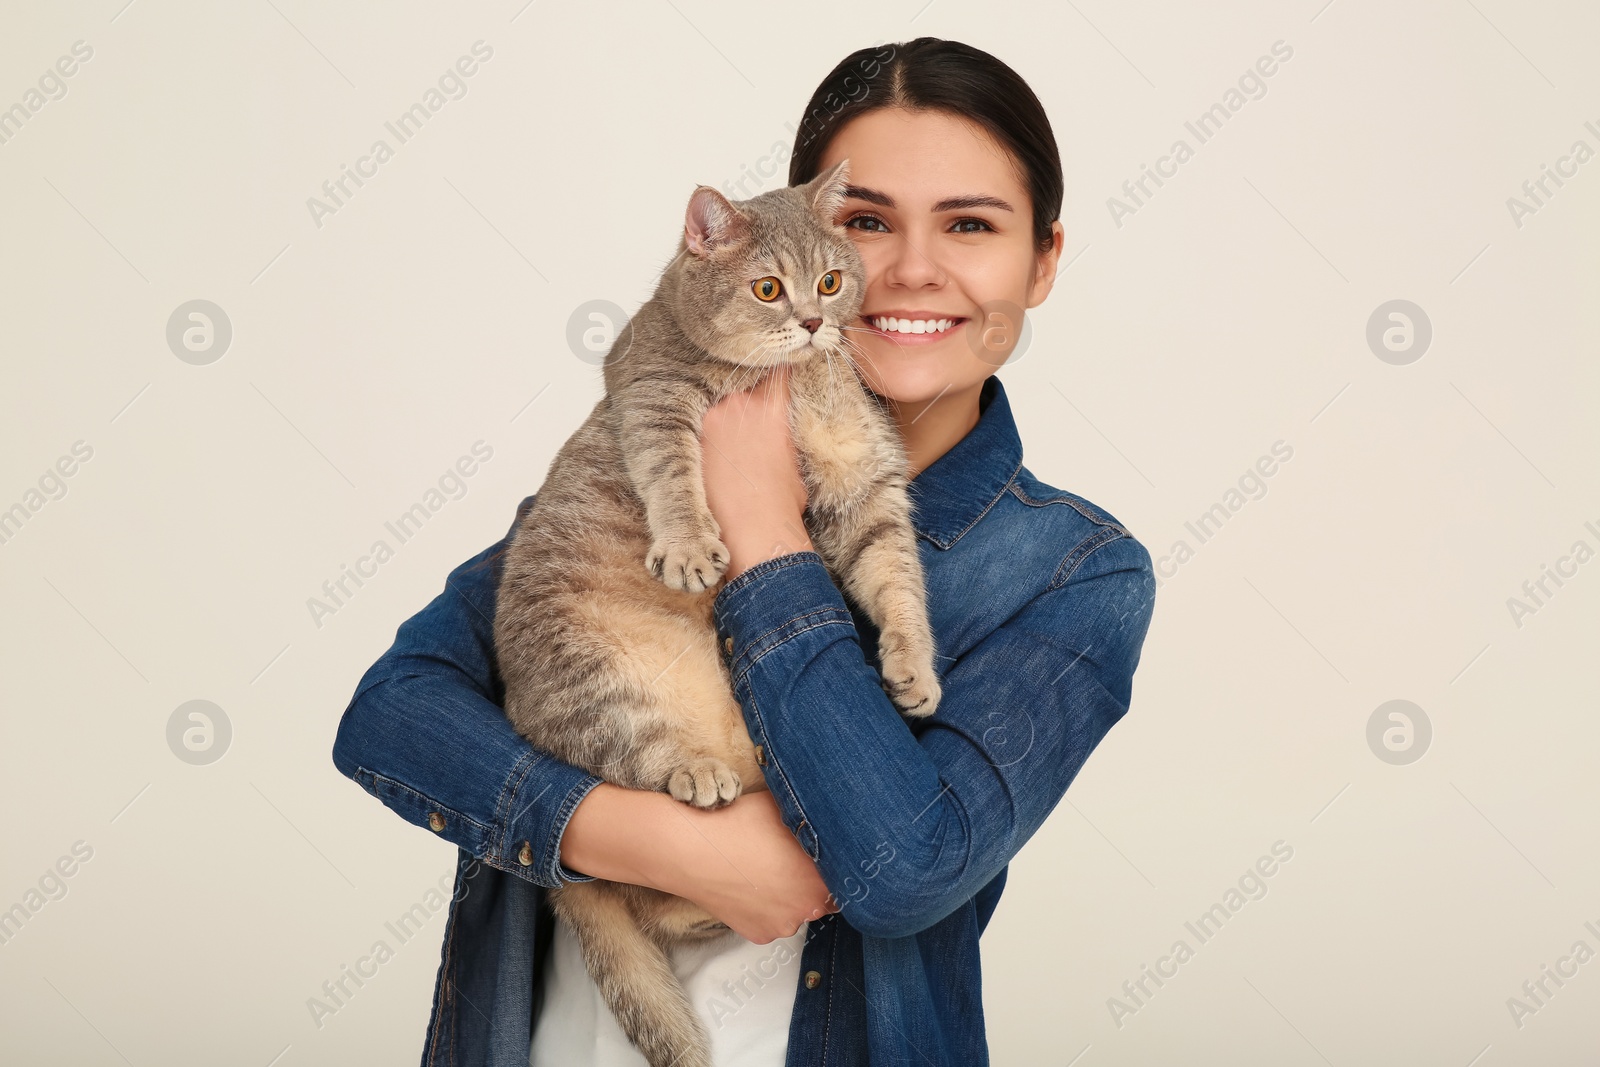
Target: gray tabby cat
column 603, row 628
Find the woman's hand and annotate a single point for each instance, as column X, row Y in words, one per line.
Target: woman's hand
column 751, row 872
column 752, row 476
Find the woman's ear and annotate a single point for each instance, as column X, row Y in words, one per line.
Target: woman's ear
column 1046, row 264
column 712, row 222
column 826, row 190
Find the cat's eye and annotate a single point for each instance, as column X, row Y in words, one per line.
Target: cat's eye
column 767, row 289
column 830, row 283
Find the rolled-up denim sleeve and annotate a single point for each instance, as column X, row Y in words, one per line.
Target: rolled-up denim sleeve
column 426, row 735
column 906, row 818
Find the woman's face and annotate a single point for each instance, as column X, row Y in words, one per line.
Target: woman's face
column 944, row 226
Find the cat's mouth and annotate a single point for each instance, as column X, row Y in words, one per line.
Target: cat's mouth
column 799, row 349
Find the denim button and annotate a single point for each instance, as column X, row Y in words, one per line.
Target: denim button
column 727, row 645
column 813, row 979
column 435, row 821
column 525, row 857
column 761, row 756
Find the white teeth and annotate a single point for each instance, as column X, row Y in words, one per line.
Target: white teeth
column 889, row 324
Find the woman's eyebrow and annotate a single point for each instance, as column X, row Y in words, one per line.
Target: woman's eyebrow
column 949, row 203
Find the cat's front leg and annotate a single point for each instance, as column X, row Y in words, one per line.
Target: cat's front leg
column 873, row 550
column 658, row 432
column 860, row 524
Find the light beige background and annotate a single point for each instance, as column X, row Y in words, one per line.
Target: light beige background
column 1228, row 313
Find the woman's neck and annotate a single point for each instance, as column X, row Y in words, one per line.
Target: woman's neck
column 932, row 429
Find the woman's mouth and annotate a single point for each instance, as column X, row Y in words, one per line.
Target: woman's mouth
column 913, row 331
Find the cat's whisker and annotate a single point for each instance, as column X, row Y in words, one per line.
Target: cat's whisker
column 852, row 352
column 761, row 346
column 852, row 341
column 749, row 373
column 827, row 355
column 856, row 352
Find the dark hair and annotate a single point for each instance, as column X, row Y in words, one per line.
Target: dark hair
column 929, row 74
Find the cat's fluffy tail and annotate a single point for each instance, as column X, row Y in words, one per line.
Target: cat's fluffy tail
column 634, row 976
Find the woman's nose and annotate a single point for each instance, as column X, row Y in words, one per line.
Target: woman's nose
column 912, row 267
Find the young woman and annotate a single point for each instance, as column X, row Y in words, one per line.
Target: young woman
column 859, row 884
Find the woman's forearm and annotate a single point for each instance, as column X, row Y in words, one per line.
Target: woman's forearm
column 739, row 862
column 625, row 835
column 647, row 838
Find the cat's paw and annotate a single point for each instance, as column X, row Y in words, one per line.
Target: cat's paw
column 910, row 680
column 691, row 564
column 706, row 783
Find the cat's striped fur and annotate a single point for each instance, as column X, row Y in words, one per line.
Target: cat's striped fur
column 603, row 628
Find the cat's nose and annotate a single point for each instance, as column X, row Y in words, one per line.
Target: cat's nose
column 811, row 324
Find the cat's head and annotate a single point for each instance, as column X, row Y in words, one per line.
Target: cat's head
column 771, row 279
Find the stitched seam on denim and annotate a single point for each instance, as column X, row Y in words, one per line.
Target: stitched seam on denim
column 579, row 793
column 756, row 654
column 789, row 622
column 755, row 710
column 371, row 776
column 429, row 802
column 1084, row 550
column 776, row 563
column 519, row 773
column 756, row 642
column 833, row 982
column 551, row 860
column 441, row 1012
column 990, row 506
column 1097, row 519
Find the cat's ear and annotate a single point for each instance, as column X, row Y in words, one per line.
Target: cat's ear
column 827, row 190
column 712, row 222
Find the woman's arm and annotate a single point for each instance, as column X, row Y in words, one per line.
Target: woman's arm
column 739, row 862
column 425, row 734
column 907, row 826
column 908, row 820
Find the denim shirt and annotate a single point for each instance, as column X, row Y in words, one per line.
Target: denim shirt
column 1039, row 601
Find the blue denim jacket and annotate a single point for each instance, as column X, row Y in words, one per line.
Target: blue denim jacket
column 1039, row 601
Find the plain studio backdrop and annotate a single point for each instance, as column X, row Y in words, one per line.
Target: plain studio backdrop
column 1336, row 370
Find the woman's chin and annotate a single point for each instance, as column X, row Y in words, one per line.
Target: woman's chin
column 916, row 375
column 910, row 388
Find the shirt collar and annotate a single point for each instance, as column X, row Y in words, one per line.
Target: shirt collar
column 953, row 492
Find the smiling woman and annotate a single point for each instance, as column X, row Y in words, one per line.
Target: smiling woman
column 857, row 884
column 954, row 204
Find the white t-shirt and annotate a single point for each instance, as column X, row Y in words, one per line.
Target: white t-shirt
column 744, row 993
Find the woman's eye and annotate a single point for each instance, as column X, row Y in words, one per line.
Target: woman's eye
column 767, row 289
column 873, row 224
column 851, row 223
